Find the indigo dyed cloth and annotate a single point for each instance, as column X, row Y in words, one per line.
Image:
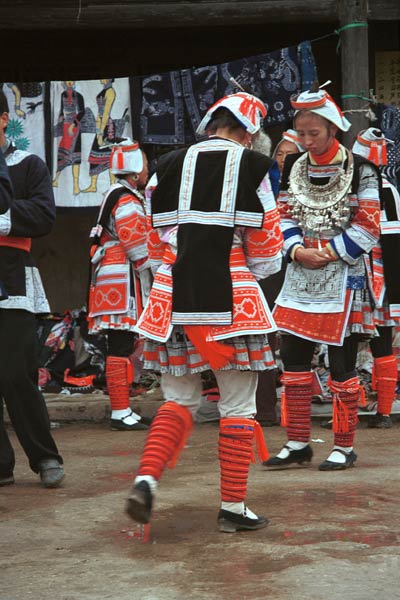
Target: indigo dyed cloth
column 172, row 104
column 389, row 122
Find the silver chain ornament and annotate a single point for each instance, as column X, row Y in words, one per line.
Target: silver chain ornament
column 320, row 207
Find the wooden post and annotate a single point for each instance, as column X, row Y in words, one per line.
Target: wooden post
column 355, row 63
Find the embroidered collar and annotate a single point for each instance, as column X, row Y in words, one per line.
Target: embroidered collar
column 217, row 137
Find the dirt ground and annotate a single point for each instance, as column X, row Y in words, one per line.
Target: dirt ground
column 332, row 536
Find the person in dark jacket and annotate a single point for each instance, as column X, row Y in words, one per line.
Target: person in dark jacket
column 28, row 213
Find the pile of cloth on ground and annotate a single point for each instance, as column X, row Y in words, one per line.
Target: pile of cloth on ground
column 71, row 361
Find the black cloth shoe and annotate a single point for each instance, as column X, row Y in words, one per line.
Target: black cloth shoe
column 300, row 457
column 379, row 421
column 6, row 480
column 330, row 465
column 140, row 502
column 51, row 472
column 230, row 522
column 120, row 425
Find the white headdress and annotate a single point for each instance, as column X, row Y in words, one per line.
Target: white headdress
column 247, row 109
column 289, row 136
column 371, row 144
column 322, row 104
column 126, row 157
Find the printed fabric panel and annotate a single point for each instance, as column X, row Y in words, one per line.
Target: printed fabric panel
column 87, row 118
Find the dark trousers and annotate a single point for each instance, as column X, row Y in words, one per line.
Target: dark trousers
column 266, row 397
column 120, row 343
column 382, row 346
column 297, row 353
column 19, row 390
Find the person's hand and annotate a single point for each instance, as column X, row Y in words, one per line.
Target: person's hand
column 312, row 258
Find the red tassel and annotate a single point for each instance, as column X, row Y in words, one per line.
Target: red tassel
column 384, row 154
column 374, row 153
column 261, row 446
column 284, row 413
column 216, row 354
column 340, row 416
column 362, row 398
column 117, row 150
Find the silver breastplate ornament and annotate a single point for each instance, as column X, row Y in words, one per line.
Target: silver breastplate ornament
column 319, row 208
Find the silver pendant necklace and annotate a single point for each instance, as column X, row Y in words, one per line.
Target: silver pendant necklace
column 320, row 207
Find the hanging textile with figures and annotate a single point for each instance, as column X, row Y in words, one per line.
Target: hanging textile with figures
column 87, row 118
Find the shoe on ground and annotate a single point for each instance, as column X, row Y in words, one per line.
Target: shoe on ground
column 51, row 472
column 300, row 457
column 121, row 425
column 6, row 480
column 379, row 421
column 330, row 465
column 140, row 502
column 230, row 522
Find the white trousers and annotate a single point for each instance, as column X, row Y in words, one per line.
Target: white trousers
column 237, row 392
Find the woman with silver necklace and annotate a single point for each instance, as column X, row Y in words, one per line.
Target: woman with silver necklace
column 329, row 205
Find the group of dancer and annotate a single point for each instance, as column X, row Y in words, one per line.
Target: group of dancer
column 211, row 226
column 179, row 265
